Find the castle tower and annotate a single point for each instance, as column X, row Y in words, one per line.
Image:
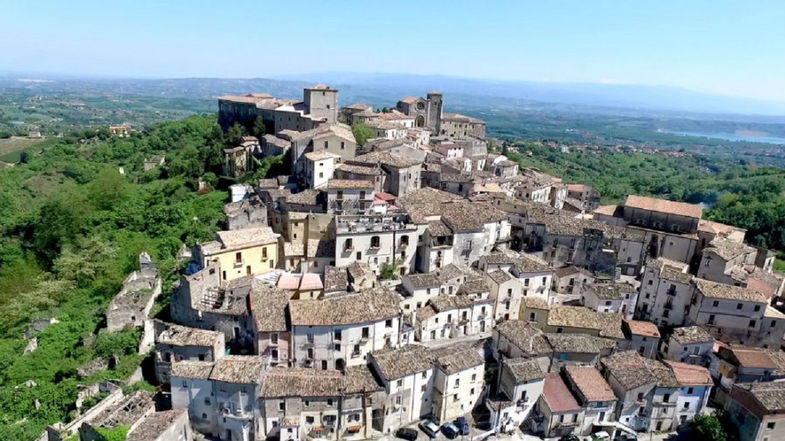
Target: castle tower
column 434, row 116
column 322, row 102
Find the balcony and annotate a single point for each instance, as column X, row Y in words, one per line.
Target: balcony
column 231, row 411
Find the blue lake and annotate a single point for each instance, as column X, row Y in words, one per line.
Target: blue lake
column 729, row 137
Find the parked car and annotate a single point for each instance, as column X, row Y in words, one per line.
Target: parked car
column 463, row 425
column 450, row 431
column 429, row 427
column 407, row 434
column 601, row 436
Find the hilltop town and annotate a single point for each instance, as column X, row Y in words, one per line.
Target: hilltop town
column 421, row 284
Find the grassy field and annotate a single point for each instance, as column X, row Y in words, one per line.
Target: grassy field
column 11, row 148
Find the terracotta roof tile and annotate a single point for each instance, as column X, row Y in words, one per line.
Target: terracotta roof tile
column 590, row 383
column 664, row 206
column 557, row 396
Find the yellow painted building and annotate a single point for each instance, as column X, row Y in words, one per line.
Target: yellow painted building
column 240, row 253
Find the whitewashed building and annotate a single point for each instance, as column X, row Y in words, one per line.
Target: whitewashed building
column 340, row 330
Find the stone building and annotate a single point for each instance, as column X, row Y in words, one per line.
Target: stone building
column 594, row 395
column 407, row 376
column 665, row 293
column 402, row 175
column 427, row 112
column 728, row 262
column 758, row 410
column 130, row 412
column 240, row 253
column 247, row 213
column 736, row 315
column 375, row 240
column 301, row 404
column 174, row 343
column 192, row 389
column 640, row 336
column 203, row 301
column 132, row 305
column 339, row 331
column 268, row 306
column 236, row 382
column 561, row 412
column 619, row 297
column 168, row 425
column 349, row 197
column 318, row 106
column 455, row 316
column 646, row 390
column 689, row 344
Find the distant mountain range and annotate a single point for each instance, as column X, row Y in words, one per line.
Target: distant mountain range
column 586, row 94
column 461, row 93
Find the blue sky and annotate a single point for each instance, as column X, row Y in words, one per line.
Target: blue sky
column 716, row 46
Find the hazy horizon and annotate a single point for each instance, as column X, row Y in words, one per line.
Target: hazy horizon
column 726, row 48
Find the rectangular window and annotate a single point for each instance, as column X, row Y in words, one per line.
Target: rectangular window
column 274, row 338
column 238, row 257
column 365, row 332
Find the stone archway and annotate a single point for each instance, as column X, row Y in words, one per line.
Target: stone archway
column 419, row 121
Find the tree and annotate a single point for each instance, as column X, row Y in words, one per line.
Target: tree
column 85, row 262
column 234, row 136
column 362, row 133
column 708, row 428
column 259, row 129
column 389, row 270
column 715, row 427
column 109, row 189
